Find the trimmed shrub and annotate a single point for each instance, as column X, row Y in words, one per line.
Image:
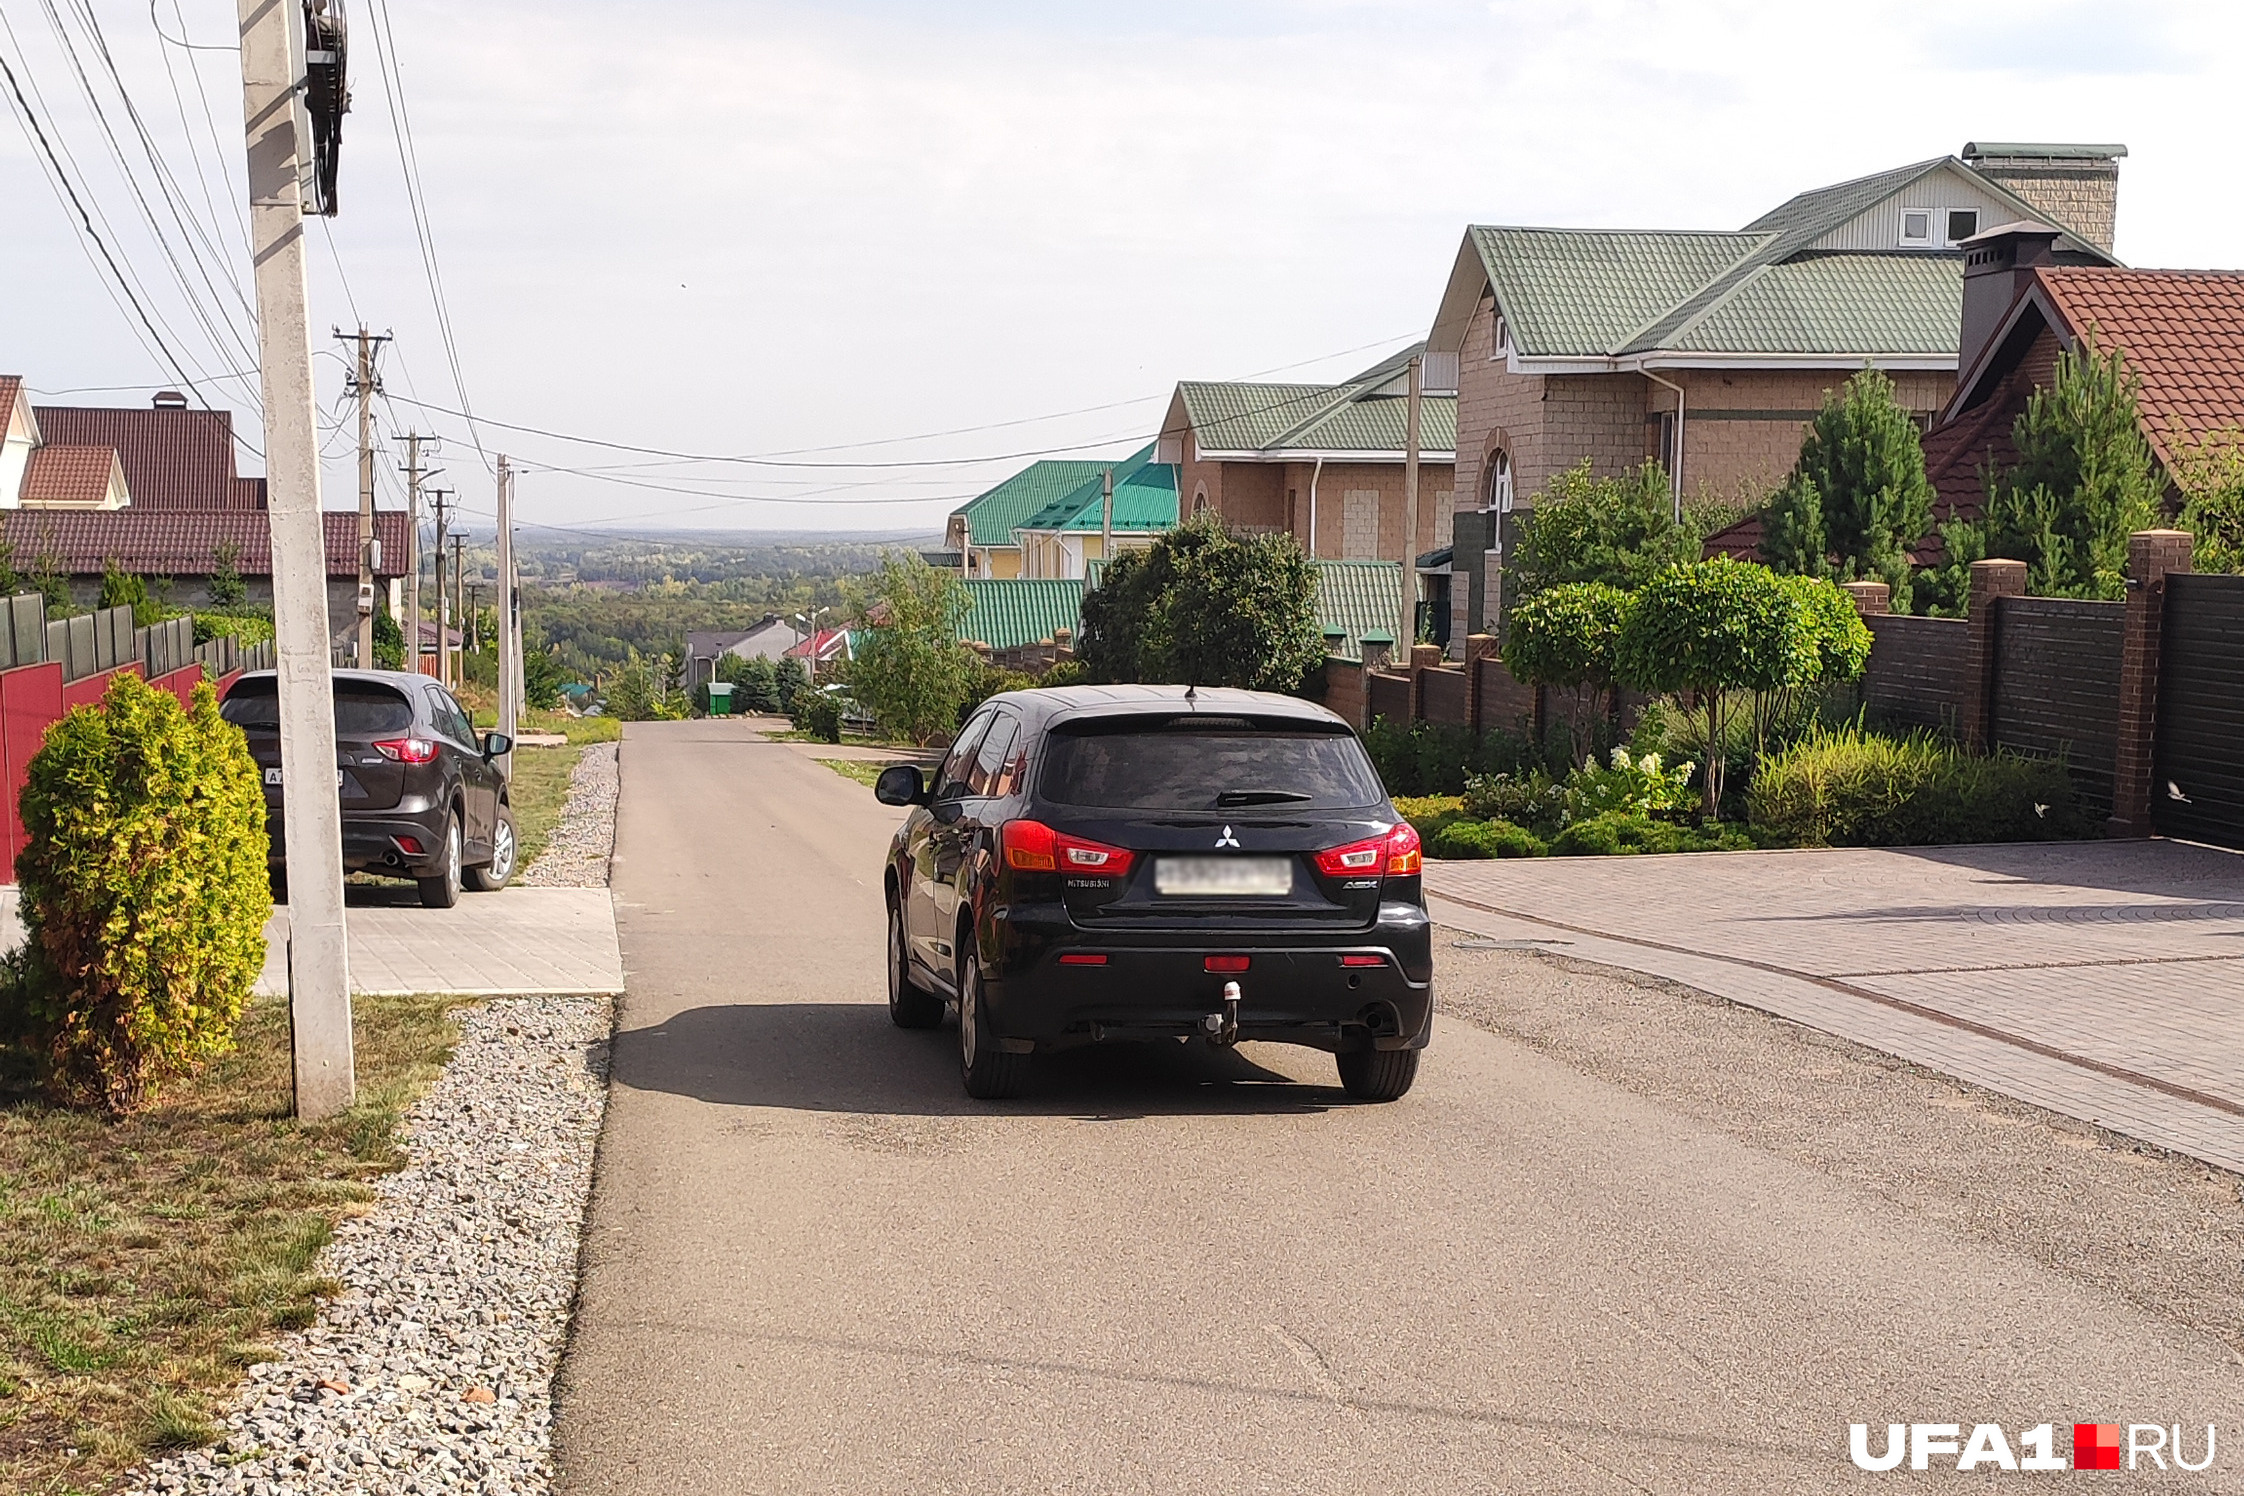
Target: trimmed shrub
column 1618, row 834
column 144, row 895
column 1486, row 839
column 1849, row 787
column 1530, row 799
column 1433, row 758
column 1428, row 814
column 818, row 713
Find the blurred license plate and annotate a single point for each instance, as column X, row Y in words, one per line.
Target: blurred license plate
column 273, row 776
column 1223, row 877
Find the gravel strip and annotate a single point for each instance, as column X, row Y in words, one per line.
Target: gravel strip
column 432, row 1370
column 577, row 857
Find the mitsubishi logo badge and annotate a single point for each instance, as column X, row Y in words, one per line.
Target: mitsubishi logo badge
column 1227, row 839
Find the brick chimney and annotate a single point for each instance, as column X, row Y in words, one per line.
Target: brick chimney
column 1997, row 266
column 2076, row 186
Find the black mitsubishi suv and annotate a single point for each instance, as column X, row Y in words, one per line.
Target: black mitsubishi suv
column 1138, row 862
column 422, row 798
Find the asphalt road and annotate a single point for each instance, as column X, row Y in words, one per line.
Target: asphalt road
column 813, row 1265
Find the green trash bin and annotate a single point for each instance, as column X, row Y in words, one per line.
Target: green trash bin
column 720, row 698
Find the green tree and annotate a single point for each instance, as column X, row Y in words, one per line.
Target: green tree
column 1619, row 530
column 641, row 691
column 1711, row 627
column 1205, row 606
column 2085, row 480
column 1568, row 637
column 542, row 680
column 789, row 680
column 227, row 589
column 145, row 895
column 912, row 671
column 389, row 641
column 1857, row 499
column 2210, row 474
column 121, row 589
column 755, row 683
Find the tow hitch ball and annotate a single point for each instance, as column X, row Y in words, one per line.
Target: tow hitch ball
column 1222, row 1028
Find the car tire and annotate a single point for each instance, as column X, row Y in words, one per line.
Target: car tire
column 1377, row 1074
column 443, row 890
column 499, row 871
column 989, row 1072
column 910, row 1006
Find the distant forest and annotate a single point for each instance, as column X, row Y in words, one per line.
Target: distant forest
column 592, row 600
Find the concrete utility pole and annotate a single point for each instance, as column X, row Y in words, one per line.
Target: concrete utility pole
column 319, row 980
column 443, row 626
column 460, row 607
column 510, row 659
column 413, row 553
column 1106, row 520
column 366, row 599
column 1409, row 634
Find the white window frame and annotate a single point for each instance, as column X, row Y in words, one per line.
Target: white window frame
column 1499, row 481
column 1924, row 241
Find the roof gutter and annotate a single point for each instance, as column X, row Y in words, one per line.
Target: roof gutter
column 1315, row 473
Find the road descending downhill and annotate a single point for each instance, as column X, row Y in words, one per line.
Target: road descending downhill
column 812, row 1264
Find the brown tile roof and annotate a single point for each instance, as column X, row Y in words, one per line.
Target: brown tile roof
column 180, row 543
column 173, row 458
column 59, row 474
column 11, row 386
column 2183, row 332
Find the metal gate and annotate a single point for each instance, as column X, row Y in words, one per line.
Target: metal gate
column 2197, row 791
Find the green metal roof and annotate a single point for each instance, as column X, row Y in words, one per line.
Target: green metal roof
column 992, row 517
column 1591, row 294
column 1008, row 612
column 1145, row 498
column 1362, row 414
column 1359, row 599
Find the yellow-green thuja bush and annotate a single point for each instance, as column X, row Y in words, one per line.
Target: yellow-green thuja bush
column 145, row 895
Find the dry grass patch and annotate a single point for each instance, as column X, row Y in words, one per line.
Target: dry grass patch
column 144, row 1263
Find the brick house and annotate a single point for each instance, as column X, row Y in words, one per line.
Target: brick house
column 1323, row 462
column 1707, row 351
column 2182, row 332
column 1061, row 539
column 979, row 537
column 152, row 490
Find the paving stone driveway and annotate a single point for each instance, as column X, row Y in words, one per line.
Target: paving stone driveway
column 2100, row 979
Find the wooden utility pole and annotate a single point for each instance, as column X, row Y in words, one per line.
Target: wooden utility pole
column 413, row 553
column 319, row 980
column 1409, row 634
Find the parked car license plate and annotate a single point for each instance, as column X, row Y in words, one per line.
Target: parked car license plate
column 273, row 776
column 1223, row 877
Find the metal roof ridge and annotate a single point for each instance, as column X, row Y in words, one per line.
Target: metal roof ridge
column 1713, row 291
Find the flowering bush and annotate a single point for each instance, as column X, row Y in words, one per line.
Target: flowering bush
column 1628, row 786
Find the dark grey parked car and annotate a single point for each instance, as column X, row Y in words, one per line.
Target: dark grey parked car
column 421, row 796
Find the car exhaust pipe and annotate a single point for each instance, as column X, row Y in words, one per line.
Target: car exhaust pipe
column 1222, row 1028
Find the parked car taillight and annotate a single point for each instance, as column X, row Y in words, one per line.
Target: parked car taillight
column 1033, row 847
column 1395, row 855
column 407, row 750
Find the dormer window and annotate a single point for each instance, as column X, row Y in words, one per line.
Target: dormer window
column 1916, row 227
column 1962, row 224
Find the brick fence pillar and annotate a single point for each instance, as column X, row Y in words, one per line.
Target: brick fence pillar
column 1478, row 647
column 2152, row 556
column 1871, row 599
column 1423, row 657
column 1989, row 580
column 1375, row 654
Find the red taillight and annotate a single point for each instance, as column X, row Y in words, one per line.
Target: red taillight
column 1363, row 960
column 407, row 750
column 409, row 845
column 1224, row 963
column 1034, row 847
column 1395, row 855
column 1082, row 958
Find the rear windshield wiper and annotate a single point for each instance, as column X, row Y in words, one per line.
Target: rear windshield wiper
column 1261, row 797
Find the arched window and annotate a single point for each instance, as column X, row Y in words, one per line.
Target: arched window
column 1500, row 481
column 1200, row 500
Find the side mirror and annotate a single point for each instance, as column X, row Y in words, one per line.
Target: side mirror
column 900, row 784
column 497, row 744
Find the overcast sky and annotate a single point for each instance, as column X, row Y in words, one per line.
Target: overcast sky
column 757, row 228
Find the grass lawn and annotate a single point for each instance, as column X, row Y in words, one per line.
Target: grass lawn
column 145, row 1262
column 539, row 790
column 863, row 770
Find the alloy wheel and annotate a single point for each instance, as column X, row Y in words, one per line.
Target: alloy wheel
column 969, row 1005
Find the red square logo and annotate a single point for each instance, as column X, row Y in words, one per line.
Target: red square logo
column 2095, row 1446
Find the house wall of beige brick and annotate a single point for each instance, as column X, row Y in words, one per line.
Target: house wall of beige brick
column 1742, row 429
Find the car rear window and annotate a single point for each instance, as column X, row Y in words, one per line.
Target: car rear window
column 362, row 709
column 1199, row 763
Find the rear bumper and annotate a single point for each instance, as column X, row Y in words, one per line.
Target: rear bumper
column 1297, row 989
column 371, row 843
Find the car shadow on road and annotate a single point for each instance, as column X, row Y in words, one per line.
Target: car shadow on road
column 847, row 1057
